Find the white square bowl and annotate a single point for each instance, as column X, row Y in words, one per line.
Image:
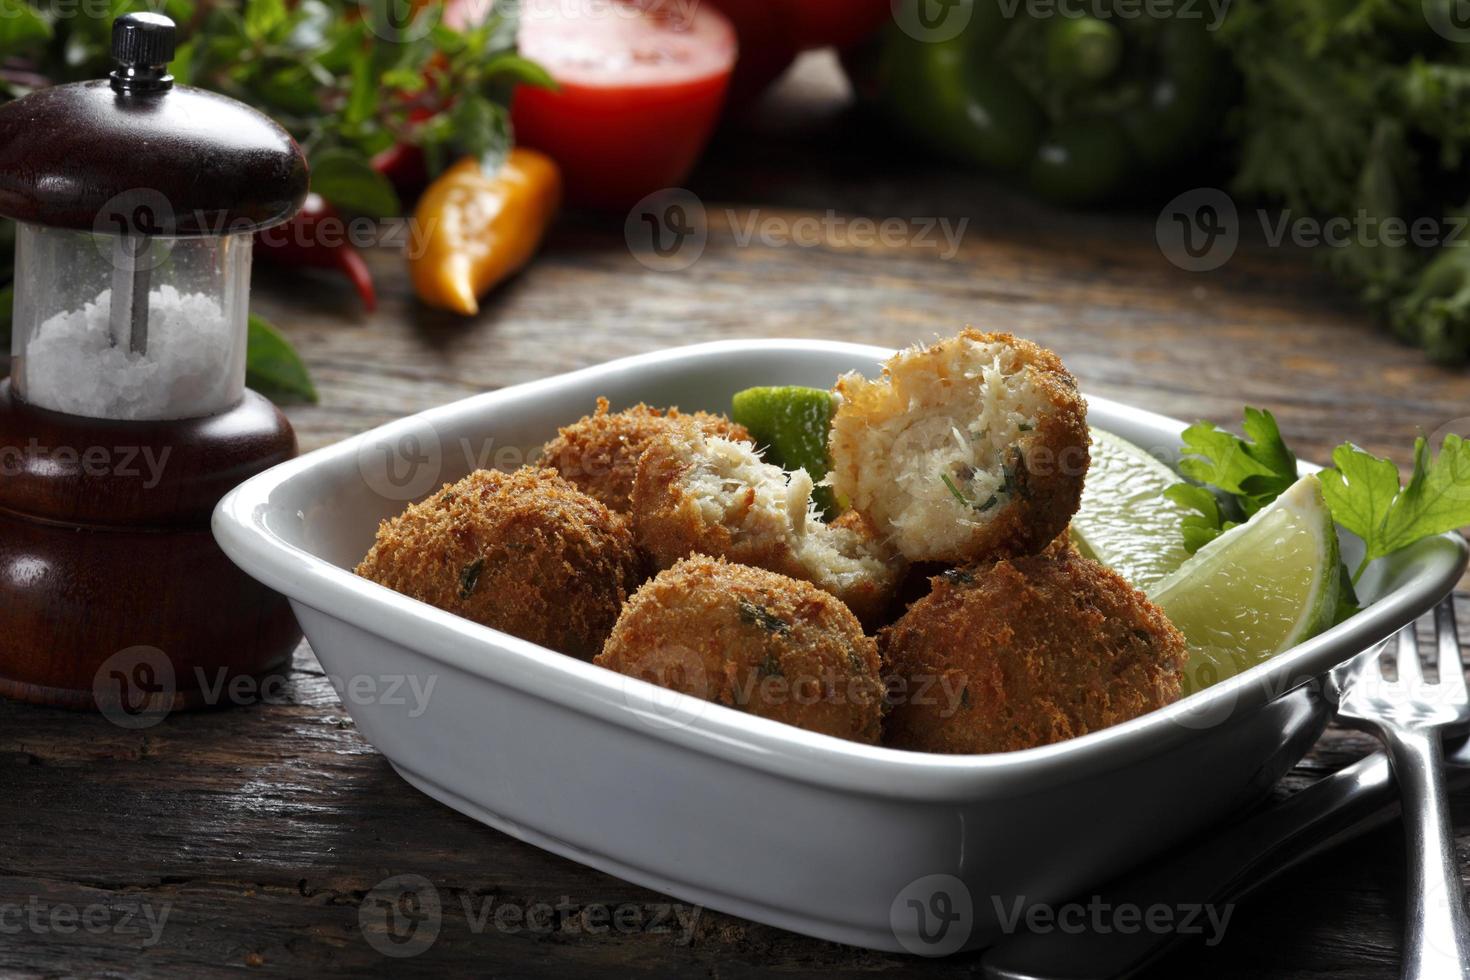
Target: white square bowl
column 846, row 842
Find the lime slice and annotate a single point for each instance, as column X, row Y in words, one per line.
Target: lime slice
column 792, row 425
column 1257, row 589
column 1125, row 520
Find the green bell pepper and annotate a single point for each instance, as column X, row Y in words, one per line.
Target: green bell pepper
column 1084, row 105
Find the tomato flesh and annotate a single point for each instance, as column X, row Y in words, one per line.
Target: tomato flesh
column 641, row 85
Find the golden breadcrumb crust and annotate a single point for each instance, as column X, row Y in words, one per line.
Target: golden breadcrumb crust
column 1026, row 652
column 524, row 552
column 755, row 641
column 600, row 452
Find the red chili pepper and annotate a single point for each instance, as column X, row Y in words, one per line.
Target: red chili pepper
column 317, row 238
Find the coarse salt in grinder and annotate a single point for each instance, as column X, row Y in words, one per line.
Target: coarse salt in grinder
column 126, row 416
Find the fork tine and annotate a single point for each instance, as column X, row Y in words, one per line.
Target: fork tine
column 1411, row 673
column 1451, row 664
column 1368, row 665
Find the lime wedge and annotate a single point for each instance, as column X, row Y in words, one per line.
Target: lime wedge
column 1125, row 520
column 792, row 425
column 1257, row 589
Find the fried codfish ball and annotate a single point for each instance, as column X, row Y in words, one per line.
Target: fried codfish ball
column 752, row 640
column 523, row 552
column 974, row 448
column 1026, row 652
column 600, row 452
column 713, row 496
column 918, row 581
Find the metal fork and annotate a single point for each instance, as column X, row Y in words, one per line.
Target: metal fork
column 1410, row 716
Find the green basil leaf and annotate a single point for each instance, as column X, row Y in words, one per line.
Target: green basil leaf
column 272, row 366
column 408, row 80
column 363, row 96
column 348, row 180
column 310, row 25
column 262, row 17
column 21, row 26
column 182, row 67
column 482, row 130
column 291, row 88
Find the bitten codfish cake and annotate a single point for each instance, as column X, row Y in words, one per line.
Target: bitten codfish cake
column 973, row 448
column 599, row 453
column 713, row 496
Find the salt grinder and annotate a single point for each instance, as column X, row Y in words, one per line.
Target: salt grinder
column 126, row 417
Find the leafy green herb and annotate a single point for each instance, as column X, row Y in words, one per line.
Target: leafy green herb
column 758, row 615
column 1205, row 526
column 955, row 491
column 1347, row 596
column 272, row 366
column 1254, row 471
column 469, row 577
column 21, row 26
column 981, row 506
column 769, row 667
column 1366, row 498
column 1355, row 111
column 349, row 181
column 1362, row 491
column 348, row 78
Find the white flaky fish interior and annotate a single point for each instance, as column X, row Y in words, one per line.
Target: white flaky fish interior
column 930, row 451
column 734, row 488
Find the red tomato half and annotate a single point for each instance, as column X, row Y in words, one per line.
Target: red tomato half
column 641, row 83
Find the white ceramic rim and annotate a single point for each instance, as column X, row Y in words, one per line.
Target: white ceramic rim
column 806, row 757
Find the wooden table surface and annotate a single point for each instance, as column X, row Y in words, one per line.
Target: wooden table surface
column 260, row 830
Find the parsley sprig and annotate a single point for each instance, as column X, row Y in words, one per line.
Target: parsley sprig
column 1236, row 476
column 1366, row 498
column 1249, row 472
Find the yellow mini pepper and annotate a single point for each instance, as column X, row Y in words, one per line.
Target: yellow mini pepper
column 473, row 229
